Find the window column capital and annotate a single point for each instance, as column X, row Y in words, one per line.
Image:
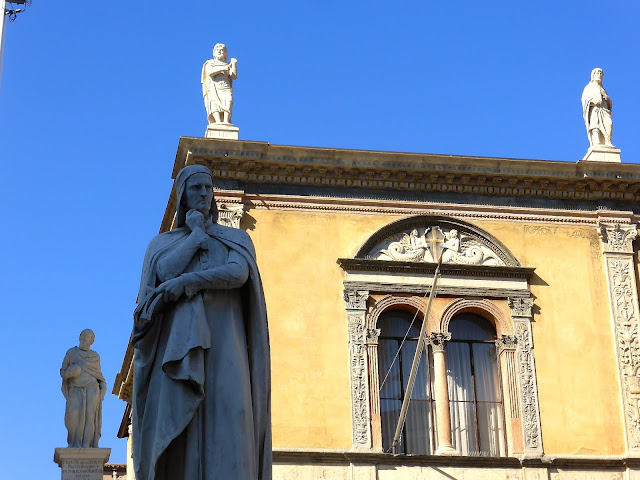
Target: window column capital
column 506, row 343
column 438, row 341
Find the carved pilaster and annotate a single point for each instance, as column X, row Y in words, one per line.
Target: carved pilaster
column 356, row 301
column 230, row 215
column 506, row 346
column 617, row 238
column 526, row 368
column 438, row 341
column 623, row 300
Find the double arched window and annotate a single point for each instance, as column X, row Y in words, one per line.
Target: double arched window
column 473, row 377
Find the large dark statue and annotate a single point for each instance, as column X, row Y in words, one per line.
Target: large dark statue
column 202, row 385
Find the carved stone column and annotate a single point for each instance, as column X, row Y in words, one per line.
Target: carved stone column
column 374, row 387
column 623, row 299
column 359, row 372
column 506, row 346
column 441, row 394
column 532, row 432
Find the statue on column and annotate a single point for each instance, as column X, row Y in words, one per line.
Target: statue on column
column 84, row 388
column 217, row 79
column 202, row 382
column 596, row 110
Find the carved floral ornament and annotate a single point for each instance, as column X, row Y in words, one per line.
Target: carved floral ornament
column 618, row 238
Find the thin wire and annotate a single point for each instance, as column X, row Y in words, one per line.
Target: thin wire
column 401, row 344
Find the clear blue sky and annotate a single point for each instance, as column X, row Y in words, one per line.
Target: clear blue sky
column 95, row 95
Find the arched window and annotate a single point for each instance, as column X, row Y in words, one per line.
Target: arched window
column 417, row 435
column 475, row 396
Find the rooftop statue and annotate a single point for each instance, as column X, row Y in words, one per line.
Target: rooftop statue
column 596, row 110
column 202, row 385
column 217, row 79
column 84, row 388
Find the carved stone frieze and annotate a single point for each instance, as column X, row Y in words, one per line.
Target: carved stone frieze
column 454, row 246
column 520, row 307
column 617, row 238
column 230, row 215
column 356, row 299
column 359, row 381
column 528, row 387
column 624, row 309
column 438, row 341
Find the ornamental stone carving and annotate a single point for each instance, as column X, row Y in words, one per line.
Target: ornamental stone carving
column 528, row 387
column 230, row 215
column 624, row 306
column 617, row 238
column 356, row 299
column 506, row 343
column 438, row 341
column 454, row 246
column 520, row 307
column 359, row 381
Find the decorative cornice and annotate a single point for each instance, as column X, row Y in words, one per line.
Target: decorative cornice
column 379, row 266
column 520, row 307
column 258, row 162
column 617, row 238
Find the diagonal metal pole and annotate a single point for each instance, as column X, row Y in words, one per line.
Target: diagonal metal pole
column 416, row 360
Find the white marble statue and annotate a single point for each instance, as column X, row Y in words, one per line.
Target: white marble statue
column 596, row 110
column 217, row 90
column 84, row 389
column 202, row 388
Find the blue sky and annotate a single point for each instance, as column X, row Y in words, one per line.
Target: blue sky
column 95, row 95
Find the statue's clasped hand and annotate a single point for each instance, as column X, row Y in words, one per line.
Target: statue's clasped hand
column 173, row 289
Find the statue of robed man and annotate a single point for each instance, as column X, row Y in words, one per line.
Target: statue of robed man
column 202, row 386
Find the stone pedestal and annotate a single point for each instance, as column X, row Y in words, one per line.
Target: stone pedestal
column 222, row 130
column 81, row 463
column 602, row 154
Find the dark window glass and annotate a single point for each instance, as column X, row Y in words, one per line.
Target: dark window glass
column 417, row 434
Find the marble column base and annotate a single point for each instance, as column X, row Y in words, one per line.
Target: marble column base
column 600, row 153
column 447, row 451
column 222, row 130
column 81, row 463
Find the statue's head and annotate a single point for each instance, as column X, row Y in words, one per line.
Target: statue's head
column 87, row 337
column 194, row 190
column 596, row 75
column 220, row 52
column 414, row 232
column 453, row 233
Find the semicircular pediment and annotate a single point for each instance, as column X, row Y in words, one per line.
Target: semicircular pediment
column 423, row 238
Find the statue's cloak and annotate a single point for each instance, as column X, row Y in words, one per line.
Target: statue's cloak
column 216, row 91
column 164, row 404
column 598, row 114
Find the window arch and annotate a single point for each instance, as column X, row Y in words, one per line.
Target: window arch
column 475, row 393
column 418, row 435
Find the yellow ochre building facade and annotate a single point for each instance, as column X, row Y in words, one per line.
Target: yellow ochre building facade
column 532, row 368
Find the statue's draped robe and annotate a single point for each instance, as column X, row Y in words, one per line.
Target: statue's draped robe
column 83, row 413
column 201, row 401
column 596, row 109
column 217, row 90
